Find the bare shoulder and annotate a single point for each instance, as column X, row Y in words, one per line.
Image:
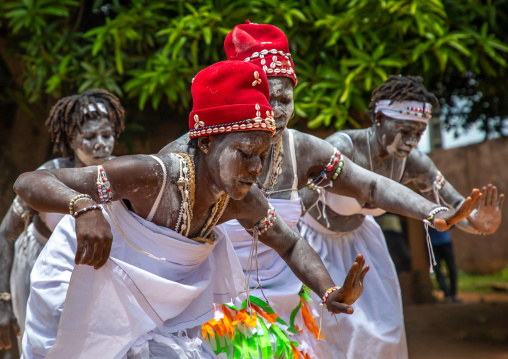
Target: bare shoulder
column 140, row 176
column 344, row 141
column 311, row 146
column 177, row 146
column 59, row 162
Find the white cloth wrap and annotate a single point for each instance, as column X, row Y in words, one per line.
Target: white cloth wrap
column 376, row 329
column 26, row 250
column 102, row 313
column 279, row 284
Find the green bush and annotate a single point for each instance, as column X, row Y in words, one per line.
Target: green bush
column 149, row 50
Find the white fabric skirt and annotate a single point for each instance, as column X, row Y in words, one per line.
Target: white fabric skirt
column 27, row 248
column 376, row 328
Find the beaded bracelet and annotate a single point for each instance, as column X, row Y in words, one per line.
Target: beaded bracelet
column 267, row 222
column 86, row 209
column 103, row 185
column 78, row 197
column 325, row 296
column 335, row 160
column 432, row 214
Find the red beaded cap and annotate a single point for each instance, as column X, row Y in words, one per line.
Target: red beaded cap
column 263, row 45
column 230, row 96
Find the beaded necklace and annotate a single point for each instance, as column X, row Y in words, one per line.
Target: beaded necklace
column 274, row 171
column 187, row 185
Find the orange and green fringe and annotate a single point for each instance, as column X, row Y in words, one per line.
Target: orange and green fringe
column 224, row 336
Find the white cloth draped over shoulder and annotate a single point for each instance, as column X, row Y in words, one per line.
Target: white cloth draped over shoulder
column 278, row 282
column 102, row 313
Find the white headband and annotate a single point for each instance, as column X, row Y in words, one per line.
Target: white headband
column 92, row 108
column 405, row 110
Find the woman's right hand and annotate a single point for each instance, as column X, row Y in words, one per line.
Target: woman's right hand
column 94, row 238
column 340, row 301
column 445, row 219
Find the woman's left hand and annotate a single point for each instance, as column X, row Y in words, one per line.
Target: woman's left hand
column 487, row 217
column 445, row 219
column 340, row 300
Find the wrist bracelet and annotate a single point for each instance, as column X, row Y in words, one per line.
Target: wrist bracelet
column 5, row 296
column 86, row 209
column 266, row 222
column 103, row 185
column 325, row 296
column 432, row 214
column 76, row 198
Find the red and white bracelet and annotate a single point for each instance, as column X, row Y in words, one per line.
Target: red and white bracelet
column 325, row 296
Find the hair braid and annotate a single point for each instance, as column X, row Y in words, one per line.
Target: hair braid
column 68, row 115
column 402, row 88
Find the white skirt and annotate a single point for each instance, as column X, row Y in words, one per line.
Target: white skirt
column 27, row 248
column 376, row 328
column 157, row 344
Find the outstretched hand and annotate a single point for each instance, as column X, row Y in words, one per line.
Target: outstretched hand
column 94, row 238
column 444, row 220
column 340, row 300
column 7, row 320
column 487, row 217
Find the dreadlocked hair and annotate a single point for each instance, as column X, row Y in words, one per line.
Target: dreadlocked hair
column 402, row 88
column 71, row 112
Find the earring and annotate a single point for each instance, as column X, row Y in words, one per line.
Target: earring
column 378, row 123
column 205, row 150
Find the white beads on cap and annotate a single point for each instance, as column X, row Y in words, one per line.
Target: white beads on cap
column 257, row 80
column 198, row 123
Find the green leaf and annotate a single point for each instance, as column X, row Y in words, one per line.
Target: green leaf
column 207, row 35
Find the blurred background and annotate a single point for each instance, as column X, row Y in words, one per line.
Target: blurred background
column 148, row 51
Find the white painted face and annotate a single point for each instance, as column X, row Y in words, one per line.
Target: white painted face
column 281, row 102
column 94, row 144
column 236, row 160
column 400, row 137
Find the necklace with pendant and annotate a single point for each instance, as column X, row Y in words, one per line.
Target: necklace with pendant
column 187, row 186
column 274, row 171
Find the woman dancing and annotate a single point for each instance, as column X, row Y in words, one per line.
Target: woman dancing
column 83, row 129
column 401, row 108
column 167, row 264
column 294, row 159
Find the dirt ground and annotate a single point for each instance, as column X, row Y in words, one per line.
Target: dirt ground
column 477, row 328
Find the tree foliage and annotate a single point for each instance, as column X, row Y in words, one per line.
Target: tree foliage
column 149, row 50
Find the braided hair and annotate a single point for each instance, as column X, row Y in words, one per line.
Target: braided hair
column 402, row 88
column 71, row 112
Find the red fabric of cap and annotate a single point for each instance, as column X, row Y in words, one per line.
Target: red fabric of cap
column 263, row 45
column 230, row 96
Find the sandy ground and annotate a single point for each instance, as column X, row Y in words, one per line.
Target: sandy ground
column 477, row 328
